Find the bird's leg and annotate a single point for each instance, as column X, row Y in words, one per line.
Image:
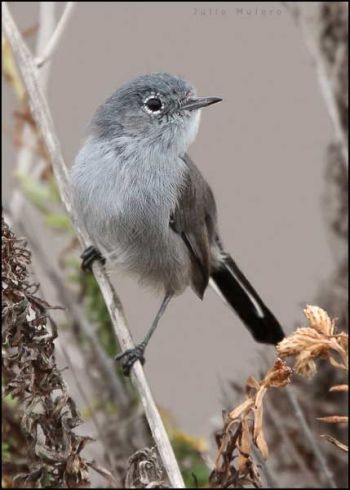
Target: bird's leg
column 130, row 356
column 89, row 255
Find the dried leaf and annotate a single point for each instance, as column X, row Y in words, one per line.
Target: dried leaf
column 258, row 434
column 334, row 419
column 259, row 396
column 243, row 446
column 339, row 388
column 337, row 364
column 252, row 383
column 31, row 376
column 343, row 340
column 334, row 441
column 243, row 407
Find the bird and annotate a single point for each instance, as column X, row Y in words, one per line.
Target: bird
column 147, row 208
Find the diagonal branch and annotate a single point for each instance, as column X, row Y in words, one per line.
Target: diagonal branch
column 42, row 116
column 56, row 36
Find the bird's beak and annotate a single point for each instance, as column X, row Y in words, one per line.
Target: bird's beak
column 199, row 102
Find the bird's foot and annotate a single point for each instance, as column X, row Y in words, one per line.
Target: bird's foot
column 130, row 356
column 89, row 255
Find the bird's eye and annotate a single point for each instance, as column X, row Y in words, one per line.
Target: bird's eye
column 153, row 104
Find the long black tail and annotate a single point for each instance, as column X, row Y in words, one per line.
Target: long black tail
column 243, row 298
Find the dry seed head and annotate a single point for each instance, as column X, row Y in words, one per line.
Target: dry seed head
column 278, row 376
column 305, row 365
column 319, row 320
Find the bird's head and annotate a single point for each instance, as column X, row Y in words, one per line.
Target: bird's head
column 157, row 108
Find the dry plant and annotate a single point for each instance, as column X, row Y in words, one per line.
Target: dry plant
column 235, row 466
column 145, row 470
column 49, row 414
column 318, row 340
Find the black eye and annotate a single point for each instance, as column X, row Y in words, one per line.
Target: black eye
column 154, row 104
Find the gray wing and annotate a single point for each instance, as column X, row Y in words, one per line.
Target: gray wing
column 194, row 219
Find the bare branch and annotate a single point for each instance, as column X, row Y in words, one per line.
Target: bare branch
column 25, row 157
column 47, row 23
column 56, row 36
column 42, row 116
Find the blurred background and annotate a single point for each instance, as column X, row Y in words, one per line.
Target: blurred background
column 264, row 150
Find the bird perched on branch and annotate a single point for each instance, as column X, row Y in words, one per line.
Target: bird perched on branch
column 148, row 209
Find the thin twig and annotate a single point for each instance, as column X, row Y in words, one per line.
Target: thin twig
column 323, row 466
column 25, row 156
column 46, row 29
column 280, row 427
column 42, row 116
column 56, row 36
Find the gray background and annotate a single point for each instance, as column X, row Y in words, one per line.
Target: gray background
column 261, row 150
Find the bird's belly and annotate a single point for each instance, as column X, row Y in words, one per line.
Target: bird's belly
column 140, row 242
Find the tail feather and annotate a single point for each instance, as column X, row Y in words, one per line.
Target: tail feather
column 242, row 297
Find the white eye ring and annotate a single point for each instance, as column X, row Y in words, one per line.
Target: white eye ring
column 150, row 111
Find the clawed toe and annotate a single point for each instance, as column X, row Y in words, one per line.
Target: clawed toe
column 89, row 255
column 129, row 357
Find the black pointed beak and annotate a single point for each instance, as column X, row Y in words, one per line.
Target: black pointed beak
column 199, row 102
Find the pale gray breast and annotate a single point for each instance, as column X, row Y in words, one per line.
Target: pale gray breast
column 125, row 204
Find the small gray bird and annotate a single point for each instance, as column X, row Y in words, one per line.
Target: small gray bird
column 147, row 207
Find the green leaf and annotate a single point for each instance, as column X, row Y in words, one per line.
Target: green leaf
column 5, row 451
column 36, row 192
column 54, row 192
column 58, row 221
column 9, row 400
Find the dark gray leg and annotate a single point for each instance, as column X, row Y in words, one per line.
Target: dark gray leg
column 130, row 356
column 89, row 255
